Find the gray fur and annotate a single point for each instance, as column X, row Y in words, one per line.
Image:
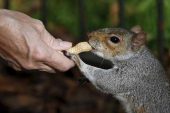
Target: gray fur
column 138, row 82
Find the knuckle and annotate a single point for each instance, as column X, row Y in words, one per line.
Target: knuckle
column 5, row 20
column 50, row 70
column 39, row 25
column 64, row 68
column 38, row 54
column 29, row 66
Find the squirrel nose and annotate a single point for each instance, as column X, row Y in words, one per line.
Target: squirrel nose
column 93, row 42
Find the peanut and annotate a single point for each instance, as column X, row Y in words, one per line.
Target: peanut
column 80, row 47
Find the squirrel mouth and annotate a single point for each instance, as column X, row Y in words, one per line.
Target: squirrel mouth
column 94, row 60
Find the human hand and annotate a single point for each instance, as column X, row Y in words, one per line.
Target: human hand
column 26, row 44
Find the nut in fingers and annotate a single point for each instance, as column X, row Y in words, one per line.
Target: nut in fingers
column 80, row 47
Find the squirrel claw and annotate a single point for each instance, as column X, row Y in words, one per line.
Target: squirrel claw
column 76, row 59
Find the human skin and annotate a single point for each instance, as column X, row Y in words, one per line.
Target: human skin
column 26, row 44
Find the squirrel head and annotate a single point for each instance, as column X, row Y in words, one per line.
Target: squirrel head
column 113, row 42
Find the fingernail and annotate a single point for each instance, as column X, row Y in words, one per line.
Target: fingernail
column 65, row 44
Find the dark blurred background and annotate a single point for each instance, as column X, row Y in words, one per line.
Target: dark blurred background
column 40, row 92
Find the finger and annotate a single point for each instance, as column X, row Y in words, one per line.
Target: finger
column 59, row 62
column 46, row 68
column 64, row 45
column 56, row 44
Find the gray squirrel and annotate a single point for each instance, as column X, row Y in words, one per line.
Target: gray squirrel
column 136, row 79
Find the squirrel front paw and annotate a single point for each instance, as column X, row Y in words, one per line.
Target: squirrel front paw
column 76, row 59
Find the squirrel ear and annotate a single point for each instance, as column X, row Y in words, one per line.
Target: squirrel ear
column 138, row 40
column 136, row 29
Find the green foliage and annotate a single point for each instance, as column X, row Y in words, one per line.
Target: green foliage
column 143, row 13
column 97, row 14
column 167, row 23
column 65, row 14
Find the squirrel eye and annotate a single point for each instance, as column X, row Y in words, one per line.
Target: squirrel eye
column 114, row 39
